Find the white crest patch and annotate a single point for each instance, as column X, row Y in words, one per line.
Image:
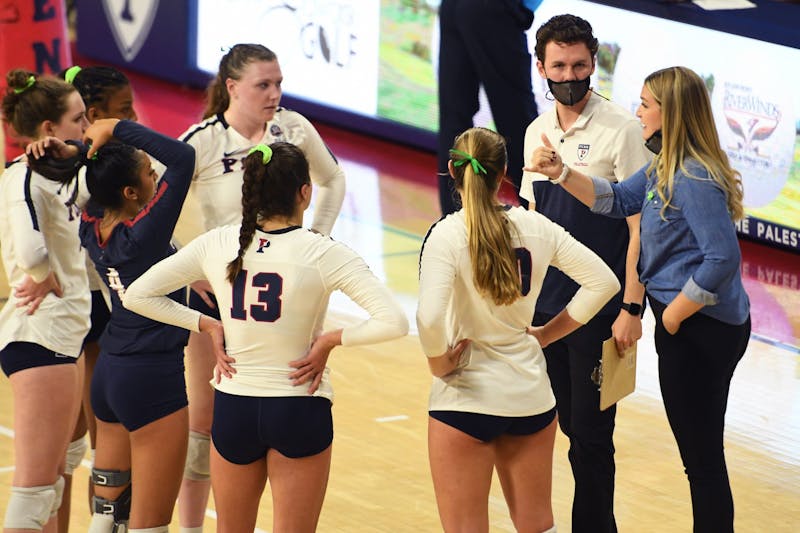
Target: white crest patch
column 131, row 21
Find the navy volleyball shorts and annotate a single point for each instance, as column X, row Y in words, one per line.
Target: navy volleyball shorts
column 18, row 356
column 488, row 427
column 246, row 427
column 135, row 390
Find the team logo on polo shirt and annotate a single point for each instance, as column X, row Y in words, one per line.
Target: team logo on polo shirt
column 583, row 151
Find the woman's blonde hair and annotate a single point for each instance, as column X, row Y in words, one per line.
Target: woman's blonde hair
column 688, row 131
column 494, row 261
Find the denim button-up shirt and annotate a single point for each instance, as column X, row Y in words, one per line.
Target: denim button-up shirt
column 693, row 249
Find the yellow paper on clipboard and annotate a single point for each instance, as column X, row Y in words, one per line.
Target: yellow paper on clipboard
column 618, row 374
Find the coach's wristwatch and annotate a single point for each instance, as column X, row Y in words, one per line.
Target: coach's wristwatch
column 633, row 308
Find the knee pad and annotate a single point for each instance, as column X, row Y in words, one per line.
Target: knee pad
column 29, row 507
column 197, row 457
column 159, row 529
column 110, row 478
column 119, row 509
column 75, row 452
column 59, row 488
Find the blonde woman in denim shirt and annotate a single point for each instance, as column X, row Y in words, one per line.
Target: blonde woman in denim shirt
column 689, row 197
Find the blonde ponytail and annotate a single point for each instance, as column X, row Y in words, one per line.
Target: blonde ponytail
column 479, row 160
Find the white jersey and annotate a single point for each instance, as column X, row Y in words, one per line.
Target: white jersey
column 605, row 141
column 219, row 171
column 277, row 306
column 503, row 371
column 39, row 235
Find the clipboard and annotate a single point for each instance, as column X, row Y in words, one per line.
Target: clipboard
column 617, row 375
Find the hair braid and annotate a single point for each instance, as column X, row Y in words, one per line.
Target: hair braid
column 251, row 199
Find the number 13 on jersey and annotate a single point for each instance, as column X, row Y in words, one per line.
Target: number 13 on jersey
column 268, row 287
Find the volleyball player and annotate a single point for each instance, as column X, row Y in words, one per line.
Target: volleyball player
column 106, row 93
column 272, row 404
column 491, row 406
column 44, row 321
column 138, row 389
column 243, row 109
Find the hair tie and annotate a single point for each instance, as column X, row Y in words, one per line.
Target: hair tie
column 476, row 165
column 31, row 81
column 69, row 75
column 265, row 150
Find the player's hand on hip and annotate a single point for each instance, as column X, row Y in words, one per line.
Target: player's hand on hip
column 31, row 294
column 203, row 289
column 311, row 367
column 224, row 361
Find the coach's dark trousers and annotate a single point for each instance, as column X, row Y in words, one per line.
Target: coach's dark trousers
column 695, row 367
column 570, row 363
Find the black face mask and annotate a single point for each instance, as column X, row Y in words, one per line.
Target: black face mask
column 570, row 92
column 654, row 142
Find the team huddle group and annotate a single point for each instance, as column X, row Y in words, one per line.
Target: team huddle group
column 513, row 307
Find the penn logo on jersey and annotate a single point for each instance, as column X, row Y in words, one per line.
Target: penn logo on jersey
column 262, row 243
column 583, row 151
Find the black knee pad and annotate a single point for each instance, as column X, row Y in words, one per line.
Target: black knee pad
column 120, row 508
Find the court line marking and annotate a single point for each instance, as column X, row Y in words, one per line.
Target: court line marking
column 400, row 254
column 213, row 515
column 394, row 418
column 775, row 342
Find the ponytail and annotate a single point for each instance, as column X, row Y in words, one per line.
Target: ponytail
column 478, row 177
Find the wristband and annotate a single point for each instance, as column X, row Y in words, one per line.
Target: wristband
column 564, row 175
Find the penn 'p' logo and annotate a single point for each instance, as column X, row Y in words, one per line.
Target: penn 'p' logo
column 262, row 243
column 130, row 21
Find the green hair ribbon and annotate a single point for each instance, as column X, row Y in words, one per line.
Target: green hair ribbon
column 265, row 150
column 69, row 75
column 31, row 81
column 476, row 165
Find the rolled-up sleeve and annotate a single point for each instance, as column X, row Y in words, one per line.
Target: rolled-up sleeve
column 623, row 199
column 704, row 206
